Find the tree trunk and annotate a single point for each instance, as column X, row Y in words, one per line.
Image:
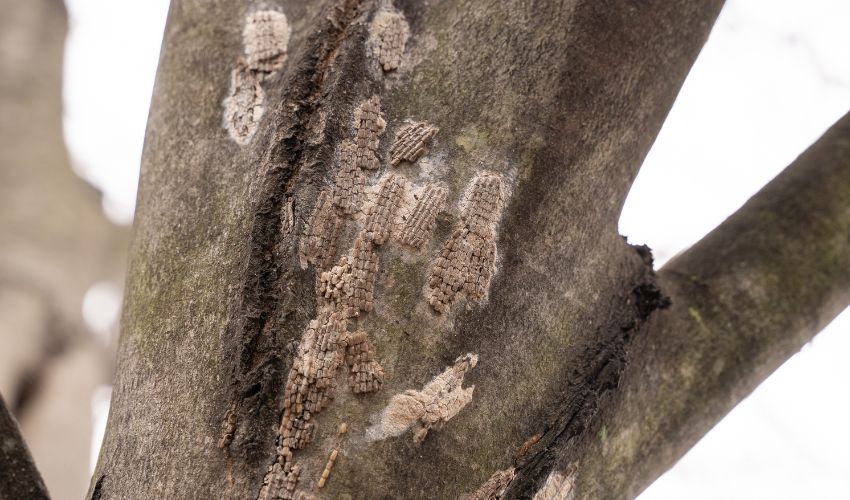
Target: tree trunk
column 299, row 212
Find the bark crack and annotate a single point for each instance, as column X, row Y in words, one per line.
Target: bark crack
column 598, row 374
column 252, row 338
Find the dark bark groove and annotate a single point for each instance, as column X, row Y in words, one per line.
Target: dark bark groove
column 598, row 372
column 257, row 338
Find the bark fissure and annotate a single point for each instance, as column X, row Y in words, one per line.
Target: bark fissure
column 254, row 336
column 597, row 373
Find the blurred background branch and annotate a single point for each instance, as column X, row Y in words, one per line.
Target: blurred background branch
column 55, row 243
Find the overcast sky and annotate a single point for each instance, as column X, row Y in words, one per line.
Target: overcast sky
column 774, row 75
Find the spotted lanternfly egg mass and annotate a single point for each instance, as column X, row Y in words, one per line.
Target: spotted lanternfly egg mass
column 467, row 260
column 265, row 37
column 388, row 35
column 411, row 142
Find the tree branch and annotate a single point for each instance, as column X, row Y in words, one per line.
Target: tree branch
column 18, row 476
column 745, row 298
column 560, row 99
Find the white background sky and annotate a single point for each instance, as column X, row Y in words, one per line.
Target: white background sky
column 774, row 75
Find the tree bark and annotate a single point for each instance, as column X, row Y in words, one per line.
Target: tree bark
column 744, row 299
column 545, row 112
column 18, row 476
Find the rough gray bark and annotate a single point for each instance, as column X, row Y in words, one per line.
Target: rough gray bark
column 19, row 477
column 560, row 100
column 54, row 244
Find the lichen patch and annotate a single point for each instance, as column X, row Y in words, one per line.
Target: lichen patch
column 438, row 402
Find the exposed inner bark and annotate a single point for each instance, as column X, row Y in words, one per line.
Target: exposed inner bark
column 275, row 293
